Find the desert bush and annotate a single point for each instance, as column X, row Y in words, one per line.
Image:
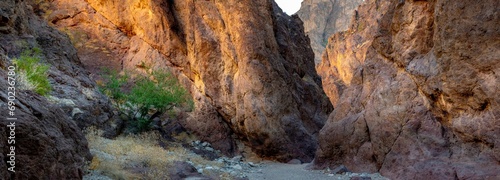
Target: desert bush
column 147, row 97
column 32, row 74
column 113, row 87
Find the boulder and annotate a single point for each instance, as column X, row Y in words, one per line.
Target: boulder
column 183, row 170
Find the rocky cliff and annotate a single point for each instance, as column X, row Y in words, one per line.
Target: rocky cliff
column 46, row 137
column 323, row 18
column 415, row 88
column 248, row 65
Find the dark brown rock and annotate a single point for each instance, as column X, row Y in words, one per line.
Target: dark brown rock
column 72, row 89
column 48, row 145
column 246, row 64
column 48, row 142
column 184, row 170
column 414, row 85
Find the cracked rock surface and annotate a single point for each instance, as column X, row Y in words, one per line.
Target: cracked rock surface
column 46, row 140
column 247, row 65
column 415, row 88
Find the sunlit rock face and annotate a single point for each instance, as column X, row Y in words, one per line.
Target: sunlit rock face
column 415, row 89
column 323, row 18
column 248, row 65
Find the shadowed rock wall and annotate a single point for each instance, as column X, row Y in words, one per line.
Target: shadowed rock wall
column 48, row 142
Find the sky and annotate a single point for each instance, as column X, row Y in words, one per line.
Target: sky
column 289, row 6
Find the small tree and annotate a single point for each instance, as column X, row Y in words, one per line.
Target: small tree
column 150, row 96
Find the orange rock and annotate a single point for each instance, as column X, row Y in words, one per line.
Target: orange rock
column 248, row 65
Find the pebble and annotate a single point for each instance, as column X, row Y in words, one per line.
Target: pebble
column 233, row 173
column 237, row 166
column 294, row 161
column 340, row 170
column 236, row 158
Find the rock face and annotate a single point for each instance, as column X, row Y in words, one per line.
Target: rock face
column 415, row 88
column 247, row 65
column 48, row 142
column 72, row 89
column 323, row 18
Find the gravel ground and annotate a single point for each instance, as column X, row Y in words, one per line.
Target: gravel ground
column 242, row 168
column 281, row 171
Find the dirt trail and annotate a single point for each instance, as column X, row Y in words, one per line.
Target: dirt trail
column 281, row 171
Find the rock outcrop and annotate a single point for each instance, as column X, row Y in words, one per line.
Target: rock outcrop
column 48, row 143
column 247, row 65
column 415, row 88
column 74, row 91
column 323, row 18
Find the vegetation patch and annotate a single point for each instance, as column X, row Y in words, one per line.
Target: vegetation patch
column 142, row 98
column 32, row 74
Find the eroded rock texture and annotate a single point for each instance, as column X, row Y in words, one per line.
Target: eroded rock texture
column 48, row 142
column 323, row 18
column 415, row 88
column 247, row 65
column 23, row 28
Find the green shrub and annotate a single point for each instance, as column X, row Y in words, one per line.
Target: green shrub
column 150, row 96
column 113, row 87
column 32, row 72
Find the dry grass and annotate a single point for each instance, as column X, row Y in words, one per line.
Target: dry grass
column 184, row 137
column 138, row 156
column 23, row 82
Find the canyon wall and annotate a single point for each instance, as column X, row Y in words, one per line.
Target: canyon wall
column 248, row 65
column 415, row 89
column 323, row 18
column 47, row 139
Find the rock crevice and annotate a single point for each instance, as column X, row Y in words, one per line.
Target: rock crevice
column 414, row 71
column 246, row 64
